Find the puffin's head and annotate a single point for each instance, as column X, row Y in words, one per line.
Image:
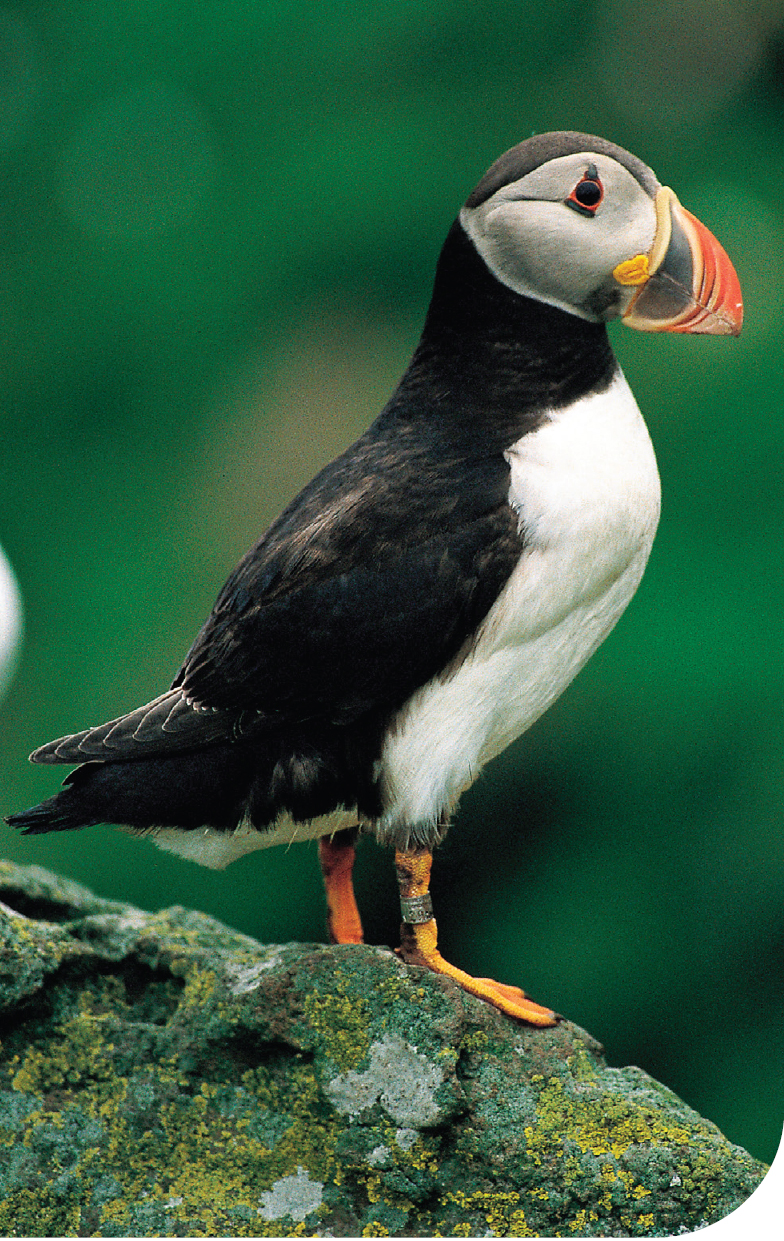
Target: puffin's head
column 579, row 223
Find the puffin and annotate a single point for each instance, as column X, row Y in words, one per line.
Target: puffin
column 434, row 589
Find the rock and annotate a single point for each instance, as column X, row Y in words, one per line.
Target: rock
column 161, row 1074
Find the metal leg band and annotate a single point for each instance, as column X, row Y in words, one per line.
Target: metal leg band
column 416, row 909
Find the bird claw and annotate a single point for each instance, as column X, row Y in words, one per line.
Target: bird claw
column 514, row 1002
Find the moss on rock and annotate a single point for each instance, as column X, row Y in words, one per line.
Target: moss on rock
column 163, row 1075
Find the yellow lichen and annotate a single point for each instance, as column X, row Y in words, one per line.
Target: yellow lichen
column 500, row 1210
column 199, row 984
column 602, row 1124
column 341, row 1022
column 582, row 1064
column 475, row 1041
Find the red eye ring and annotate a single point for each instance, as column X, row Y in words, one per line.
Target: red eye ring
column 587, row 194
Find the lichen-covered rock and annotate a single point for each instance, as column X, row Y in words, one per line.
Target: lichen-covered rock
column 161, row 1074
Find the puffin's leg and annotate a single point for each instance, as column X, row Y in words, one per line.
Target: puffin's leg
column 336, row 855
column 418, row 942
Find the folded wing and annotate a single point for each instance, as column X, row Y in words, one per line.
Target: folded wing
column 354, row 598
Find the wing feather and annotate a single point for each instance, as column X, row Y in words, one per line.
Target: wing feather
column 338, row 644
column 166, row 724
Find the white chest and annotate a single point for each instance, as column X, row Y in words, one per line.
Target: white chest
column 586, row 488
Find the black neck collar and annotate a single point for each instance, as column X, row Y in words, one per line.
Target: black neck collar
column 492, row 358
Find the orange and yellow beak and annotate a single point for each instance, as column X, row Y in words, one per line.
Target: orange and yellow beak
column 686, row 282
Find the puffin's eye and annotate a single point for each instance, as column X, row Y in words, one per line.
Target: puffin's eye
column 587, row 194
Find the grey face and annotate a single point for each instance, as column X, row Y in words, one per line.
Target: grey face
column 541, row 239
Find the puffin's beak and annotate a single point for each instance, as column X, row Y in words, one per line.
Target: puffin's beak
column 686, row 281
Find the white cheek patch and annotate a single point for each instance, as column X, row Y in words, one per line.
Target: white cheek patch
column 537, row 246
column 501, row 233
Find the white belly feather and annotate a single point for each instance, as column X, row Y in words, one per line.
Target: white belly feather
column 586, row 488
column 587, row 491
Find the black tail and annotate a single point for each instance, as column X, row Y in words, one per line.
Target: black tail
column 209, row 787
column 60, row 813
column 220, row 784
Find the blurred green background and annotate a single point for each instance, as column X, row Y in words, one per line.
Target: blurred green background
column 219, row 227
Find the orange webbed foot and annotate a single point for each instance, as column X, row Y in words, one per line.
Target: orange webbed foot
column 419, row 944
column 418, row 947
